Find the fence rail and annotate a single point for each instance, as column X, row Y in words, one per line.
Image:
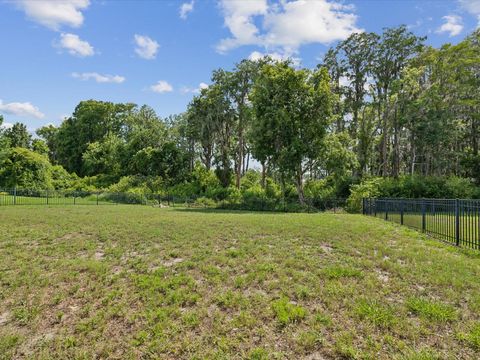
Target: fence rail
column 56, row 197
column 456, row 221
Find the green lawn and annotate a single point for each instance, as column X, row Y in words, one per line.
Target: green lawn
column 135, row 282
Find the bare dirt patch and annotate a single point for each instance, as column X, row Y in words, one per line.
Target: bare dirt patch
column 172, row 262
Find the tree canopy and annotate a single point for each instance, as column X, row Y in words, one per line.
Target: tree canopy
column 377, row 105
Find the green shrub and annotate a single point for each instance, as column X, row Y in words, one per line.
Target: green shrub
column 319, row 189
column 25, row 169
column 204, row 202
column 368, row 189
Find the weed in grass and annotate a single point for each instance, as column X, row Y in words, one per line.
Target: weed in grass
column 344, row 346
column 375, row 312
column 69, row 342
column 423, row 354
column 230, row 300
column 244, row 320
column 308, row 340
column 432, row 310
column 323, row 319
column 335, row 272
column 302, row 292
column 7, row 345
column 472, row 337
column 24, row 314
column 190, row 319
column 258, row 354
column 286, row 312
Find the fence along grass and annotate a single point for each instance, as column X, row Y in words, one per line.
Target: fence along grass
column 456, row 221
column 53, row 197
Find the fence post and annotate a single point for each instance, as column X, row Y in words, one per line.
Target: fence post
column 97, row 198
column 401, row 212
column 74, row 198
column 15, row 195
column 423, row 215
column 457, row 223
column 386, row 210
column 47, row 197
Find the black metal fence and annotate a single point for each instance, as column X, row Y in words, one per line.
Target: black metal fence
column 453, row 220
column 56, row 197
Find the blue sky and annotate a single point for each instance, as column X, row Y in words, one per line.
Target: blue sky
column 159, row 53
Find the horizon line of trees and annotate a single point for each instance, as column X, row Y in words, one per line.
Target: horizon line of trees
column 378, row 105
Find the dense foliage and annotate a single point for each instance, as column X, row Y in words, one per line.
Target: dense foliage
column 381, row 115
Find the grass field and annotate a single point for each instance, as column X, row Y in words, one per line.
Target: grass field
column 140, row 282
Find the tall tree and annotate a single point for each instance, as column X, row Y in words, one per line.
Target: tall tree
column 49, row 134
column 18, row 136
column 237, row 85
column 91, row 122
column 356, row 54
column 292, row 110
column 395, row 48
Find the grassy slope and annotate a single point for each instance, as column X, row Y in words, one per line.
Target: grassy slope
column 132, row 281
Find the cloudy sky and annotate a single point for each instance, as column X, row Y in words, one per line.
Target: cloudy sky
column 59, row 52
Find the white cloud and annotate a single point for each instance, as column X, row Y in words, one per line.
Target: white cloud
column 239, row 19
column 187, row 90
column 161, row 87
column 54, row 13
column 286, row 25
column 453, row 25
column 257, row 55
column 75, row 46
column 147, row 48
column 186, row 8
column 21, row 109
column 99, row 78
column 473, row 7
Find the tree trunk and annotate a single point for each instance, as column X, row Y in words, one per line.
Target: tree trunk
column 299, row 185
column 264, row 174
column 396, row 147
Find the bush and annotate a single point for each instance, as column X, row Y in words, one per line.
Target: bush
column 61, row 178
column 319, row 189
column 204, row 202
column 367, row 189
column 25, row 169
column 411, row 187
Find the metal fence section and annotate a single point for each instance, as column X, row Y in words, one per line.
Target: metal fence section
column 456, row 221
column 56, row 197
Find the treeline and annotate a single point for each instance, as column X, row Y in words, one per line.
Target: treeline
column 378, row 106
